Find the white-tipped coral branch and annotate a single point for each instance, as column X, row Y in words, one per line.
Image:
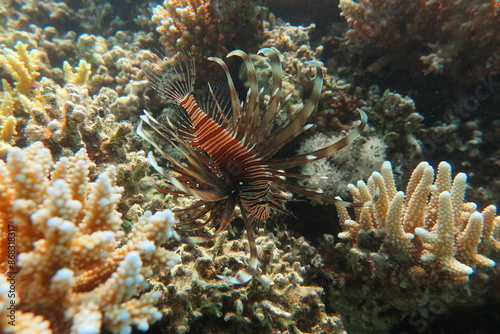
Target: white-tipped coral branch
column 412, row 248
column 430, row 226
column 74, row 269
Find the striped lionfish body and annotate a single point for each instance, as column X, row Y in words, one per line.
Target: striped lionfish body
column 227, row 147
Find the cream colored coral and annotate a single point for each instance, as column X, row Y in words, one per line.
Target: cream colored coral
column 441, row 252
column 78, row 76
column 14, row 322
column 74, row 261
column 7, row 121
column 22, row 65
column 430, row 225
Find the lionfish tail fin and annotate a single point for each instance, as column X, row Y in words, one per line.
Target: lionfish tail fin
column 173, row 78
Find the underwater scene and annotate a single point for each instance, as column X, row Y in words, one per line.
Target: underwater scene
column 249, row 166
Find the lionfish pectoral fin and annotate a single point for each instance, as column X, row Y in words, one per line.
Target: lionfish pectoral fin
column 154, row 164
column 147, row 118
column 209, row 195
column 225, row 219
column 288, row 131
column 339, row 202
column 317, row 194
column 142, row 133
column 322, row 152
column 252, row 77
column 235, row 101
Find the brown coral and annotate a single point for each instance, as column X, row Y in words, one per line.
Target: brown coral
column 425, row 36
column 208, row 28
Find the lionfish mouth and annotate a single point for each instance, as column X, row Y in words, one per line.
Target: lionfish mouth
column 227, row 147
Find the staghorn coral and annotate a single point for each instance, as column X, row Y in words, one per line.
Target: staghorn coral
column 21, row 68
column 77, row 113
column 74, row 267
column 425, row 37
column 411, row 248
column 32, row 95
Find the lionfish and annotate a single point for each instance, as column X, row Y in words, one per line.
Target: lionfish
column 227, row 147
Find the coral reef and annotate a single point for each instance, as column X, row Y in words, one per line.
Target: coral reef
column 409, row 249
column 337, row 107
column 196, row 298
column 209, row 28
column 355, row 162
column 80, row 112
column 74, row 266
column 428, row 37
column 394, row 118
column 71, row 78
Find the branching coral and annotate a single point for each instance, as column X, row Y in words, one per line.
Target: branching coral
column 30, row 94
column 181, row 22
column 74, row 267
column 425, row 36
column 22, row 65
column 446, row 227
column 68, row 117
column 21, row 68
column 208, row 28
column 409, row 248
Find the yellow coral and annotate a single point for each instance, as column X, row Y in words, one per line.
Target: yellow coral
column 7, row 121
column 78, row 76
column 8, row 130
column 27, row 94
column 22, row 66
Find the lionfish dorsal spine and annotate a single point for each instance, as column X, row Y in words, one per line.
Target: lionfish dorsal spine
column 173, row 78
column 229, row 146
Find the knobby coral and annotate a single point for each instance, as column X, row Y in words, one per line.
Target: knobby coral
column 425, row 244
column 290, row 304
column 440, row 232
column 64, row 251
